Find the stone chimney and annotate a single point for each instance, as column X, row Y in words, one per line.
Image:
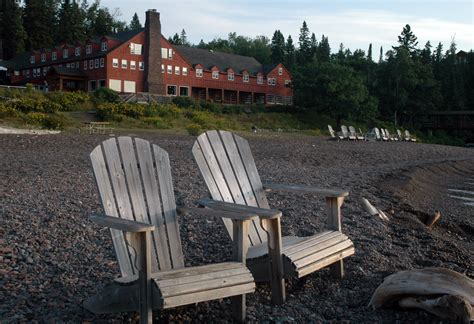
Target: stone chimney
column 153, row 76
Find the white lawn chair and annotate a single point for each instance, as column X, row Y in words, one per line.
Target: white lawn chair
column 354, row 134
column 409, row 137
column 345, row 133
column 333, row 134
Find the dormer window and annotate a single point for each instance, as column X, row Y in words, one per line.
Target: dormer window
column 215, row 75
column 65, row 53
column 54, row 56
column 246, row 77
column 271, row 81
column 32, row 59
column 230, row 76
column 259, row 79
column 43, row 57
column 103, row 46
column 88, row 49
column 199, row 73
column 78, row 51
column 280, row 71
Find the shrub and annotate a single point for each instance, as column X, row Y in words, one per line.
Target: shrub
column 110, row 111
column 7, row 111
column 156, row 121
column 105, row 95
column 49, row 121
column 184, row 102
column 210, row 106
column 194, row 130
column 68, row 101
column 27, row 104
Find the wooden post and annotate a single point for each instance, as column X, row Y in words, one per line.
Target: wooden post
column 333, row 205
column 60, row 83
column 277, row 282
column 238, row 97
column 240, row 247
column 144, row 277
column 207, row 94
column 222, row 95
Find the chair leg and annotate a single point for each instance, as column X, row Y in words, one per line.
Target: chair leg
column 337, row 269
column 238, row 308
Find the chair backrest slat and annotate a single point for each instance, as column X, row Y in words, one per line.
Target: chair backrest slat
column 134, row 181
column 229, row 170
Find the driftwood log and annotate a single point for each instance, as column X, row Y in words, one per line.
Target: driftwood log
column 443, row 292
column 372, row 210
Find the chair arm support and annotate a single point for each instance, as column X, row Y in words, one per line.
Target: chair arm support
column 120, row 223
column 333, row 193
column 262, row 213
column 234, row 215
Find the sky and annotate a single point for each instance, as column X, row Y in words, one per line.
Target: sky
column 354, row 23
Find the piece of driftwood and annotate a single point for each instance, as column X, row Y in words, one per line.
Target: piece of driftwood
column 373, row 210
column 432, row 219
column 422, row 288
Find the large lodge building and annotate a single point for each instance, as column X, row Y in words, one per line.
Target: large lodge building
column 144, row 61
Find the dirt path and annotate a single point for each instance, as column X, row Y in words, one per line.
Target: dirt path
column 52, row 257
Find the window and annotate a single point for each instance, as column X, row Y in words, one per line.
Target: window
column 34, row 73
column 43, row 57
column 27, row 73
column 170, row 69
column 68, row 65
column 171, row 90
column 88, row 49
column 92, row 85
column 170, row 53
column 164, row 53
column 65, row 53
column 280, row 71
column 215, row 74
column 91, row 64
column 103, row 46
column 77, row 65
column 287, row 82
column 245, row 77
column 183, row 91
column 85, row 65
column 124, row 64
column 54, row 56
column 32, row 59
column 141, row 66
column 115, row 63
column 101, row 83
column 185, row 70
column 177, row 70
column 271, row 81
column 133, row 65
column 199, row 73
column 102, row 62
column 45, row 70
column 162, row 68
column 259, row 79
column 135, row 49
column 230, row 76
column 78, row 51
column 96, row 63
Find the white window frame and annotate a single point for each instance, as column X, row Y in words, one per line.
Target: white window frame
column 215, row 75
column 280, row 71
column 287, row 82
column 43, row 57
column 271, row 81
column 177, row 70
column 141, row 66
column 175, row 91
column 115, row 62
column 162, row 68
column 77, row 65
column 245, row 77
column 32, row 59
column 164, row 53
column 169, row 69
column 102, row 62
column 91, row 64
column 184, row 70
column 124, row 64
column 259, row 79
column 28, row 73
column 170, row 53
column 54, row 56
column 34, row 73
column 65, row 53
column 88, row 49
column 96, row 63
column 77, row 51
column 133, row 65
column 199, row 73
column 230, row 76
column 103, row 46
column 45, row 70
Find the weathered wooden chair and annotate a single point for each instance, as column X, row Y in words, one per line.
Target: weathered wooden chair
column 135, row 186
column 409, row 137
column 345, row 133
column 337, row 137
column 229, row 170
column 355, row 135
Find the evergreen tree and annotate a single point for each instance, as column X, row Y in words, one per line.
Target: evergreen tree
column 369, row 53
column 202, row 44
column 184, row 38
column 289, row 53
column 323, row 51
column 426, row 54
column 70, row 27
column 381, row 55
column 438, row 54
column 135, row 23
column 313, row 45
column 175, row 40
column 407, row 40
column 99, row 21
column 11, row 29
column 39, row 21
column 340, row 56
column 304, row 51
column 278, row 47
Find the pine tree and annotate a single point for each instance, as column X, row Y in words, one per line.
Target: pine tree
column 438, row 53
column 277, row 47
column 289, row 52
column 184, row 38
column 369, row 53
column 408, row 41
column 313, row 45
column 426, row 54
column 135, row 23
column 11, row 29
column 304, row 52
column 70, row 27
column 324, row 50
column 39, row 21
column 381, row 55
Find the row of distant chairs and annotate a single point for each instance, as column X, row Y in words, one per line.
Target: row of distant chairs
column 375, row 134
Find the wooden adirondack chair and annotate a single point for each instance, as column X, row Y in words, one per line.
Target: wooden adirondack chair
column 354, row 134
column 229, row 170
column 333, row 134
column 409, row 137
column 135, row 186
column 345, row 133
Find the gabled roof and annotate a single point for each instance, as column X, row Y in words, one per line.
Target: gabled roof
column 267, row 68
column 223, row 61
column 125, row 35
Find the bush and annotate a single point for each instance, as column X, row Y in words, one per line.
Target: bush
column 49, row 121
column 111, row 111
column 194, row 130
column 210, row 106
column 156, row 121
column 7, row 111
column 105, row 95
column 184, row 102
column 68, row 101
column 27, row 104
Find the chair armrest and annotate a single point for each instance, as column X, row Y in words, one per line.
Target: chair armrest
column 333, row 193
column 262, row 213
column 120, row 223
column 234, row 215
